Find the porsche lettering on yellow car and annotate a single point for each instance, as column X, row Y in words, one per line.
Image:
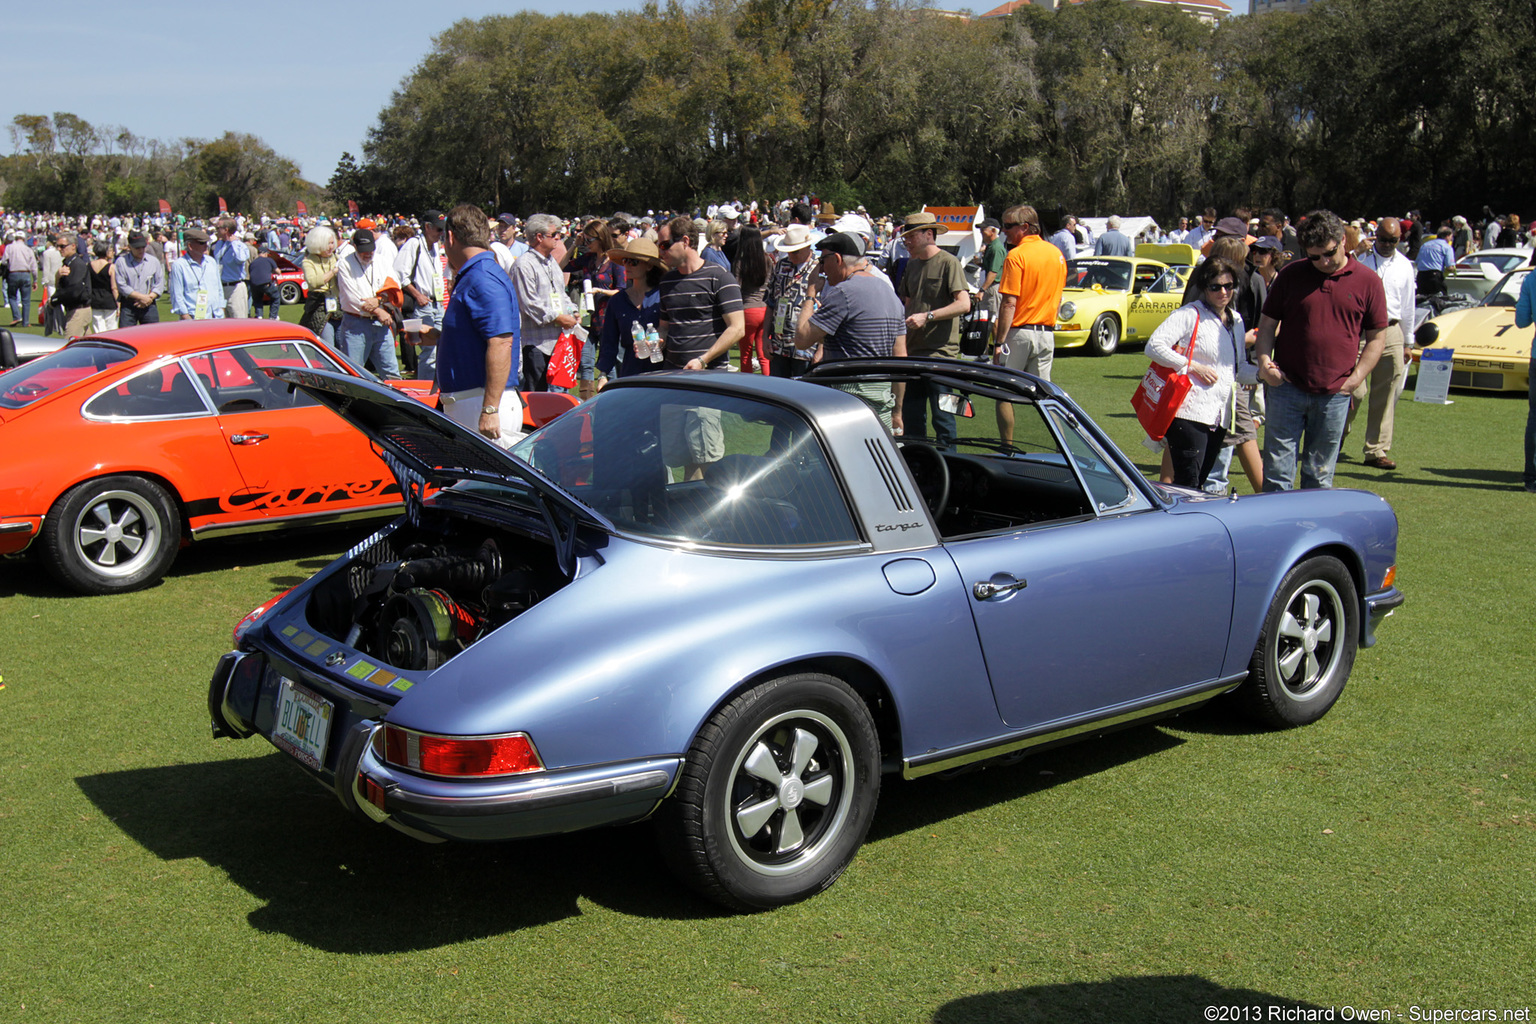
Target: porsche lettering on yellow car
column 1110, row 299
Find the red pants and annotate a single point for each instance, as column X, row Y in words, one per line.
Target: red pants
column 752, row 344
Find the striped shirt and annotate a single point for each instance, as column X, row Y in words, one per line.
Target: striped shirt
column 694, row 307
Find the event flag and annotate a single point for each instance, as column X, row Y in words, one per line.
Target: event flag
column 352, row 207
column 222, row 207
column 165, row 208
column 303, row 210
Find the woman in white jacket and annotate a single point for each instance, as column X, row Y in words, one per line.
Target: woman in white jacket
column 1220, row 361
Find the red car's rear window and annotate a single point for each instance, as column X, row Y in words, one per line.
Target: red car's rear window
column 58, row 370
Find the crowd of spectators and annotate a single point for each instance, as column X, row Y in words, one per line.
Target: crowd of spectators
column 783, row 286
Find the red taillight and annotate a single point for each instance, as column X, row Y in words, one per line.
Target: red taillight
column 460, row 756
column 256, row 613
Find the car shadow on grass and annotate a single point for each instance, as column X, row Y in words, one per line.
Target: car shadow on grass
column 921, row 803
column 344, row 885
column 1177, row 999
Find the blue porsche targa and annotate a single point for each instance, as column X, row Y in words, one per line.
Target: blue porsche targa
column 733, row 604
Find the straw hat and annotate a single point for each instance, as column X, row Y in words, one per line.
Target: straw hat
column 638, row 249
column 922, row 220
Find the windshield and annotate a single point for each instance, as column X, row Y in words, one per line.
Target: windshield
column 1112, row 275
column 58, row 370
column 695, row 467
column 1507, row 291
column 1499, row 261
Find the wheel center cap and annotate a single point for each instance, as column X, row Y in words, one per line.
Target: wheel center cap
column 791, row 793
column 1309, row 641
column 114, row 533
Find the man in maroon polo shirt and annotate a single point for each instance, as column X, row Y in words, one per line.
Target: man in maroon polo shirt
column 1325, row 301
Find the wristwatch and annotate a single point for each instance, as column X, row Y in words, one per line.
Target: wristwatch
column 929, row 320
column 486, row 410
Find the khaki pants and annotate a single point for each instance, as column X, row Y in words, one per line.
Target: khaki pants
column 77, row 322
column 1378, row 393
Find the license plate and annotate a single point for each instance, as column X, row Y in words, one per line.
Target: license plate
column 303, row 723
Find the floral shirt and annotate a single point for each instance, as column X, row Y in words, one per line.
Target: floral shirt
column 785, row 294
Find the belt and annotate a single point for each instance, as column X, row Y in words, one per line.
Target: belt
column 1037, row 327
column 231, row 284
column 1393, row 323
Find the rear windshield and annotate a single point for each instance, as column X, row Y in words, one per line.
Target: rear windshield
column 698, row 468
column 1112, row 275
column 58, row 370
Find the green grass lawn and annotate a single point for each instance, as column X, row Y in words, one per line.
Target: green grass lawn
column 1383, row 858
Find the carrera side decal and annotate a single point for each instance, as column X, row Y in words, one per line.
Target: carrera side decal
column 299, row 497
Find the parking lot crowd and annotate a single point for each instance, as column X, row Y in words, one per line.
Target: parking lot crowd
column 758, row 278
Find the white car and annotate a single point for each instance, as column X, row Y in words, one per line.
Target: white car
column 1475, row 274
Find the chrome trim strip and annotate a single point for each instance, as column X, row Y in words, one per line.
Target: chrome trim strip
column 15, row 527
column 927, row 764
column 311, row 518
column 536, row 797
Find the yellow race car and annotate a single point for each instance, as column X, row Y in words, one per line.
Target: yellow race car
column 1491, row 353
column 1113, row 298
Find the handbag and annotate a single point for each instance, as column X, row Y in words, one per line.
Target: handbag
column 565, row 361
column 1161, row 392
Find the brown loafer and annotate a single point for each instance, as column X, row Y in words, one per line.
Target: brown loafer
column 1380, row 462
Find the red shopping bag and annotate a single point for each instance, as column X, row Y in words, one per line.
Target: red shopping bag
column 565, row 361
column 1161, row 392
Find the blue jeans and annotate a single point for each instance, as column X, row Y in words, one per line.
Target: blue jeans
column 366, row 342
column 915, row 406
column 1299, row 419
column 129, row 315
column 1530, row 434
column 20, row 286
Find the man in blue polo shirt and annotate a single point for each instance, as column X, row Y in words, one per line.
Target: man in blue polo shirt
column 477, row 354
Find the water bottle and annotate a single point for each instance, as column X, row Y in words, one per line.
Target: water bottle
column 638, row 330
column 653, row 339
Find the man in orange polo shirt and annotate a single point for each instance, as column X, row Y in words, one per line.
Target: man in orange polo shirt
column 1034, row 274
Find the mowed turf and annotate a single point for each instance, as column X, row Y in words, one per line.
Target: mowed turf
column 1384, row 858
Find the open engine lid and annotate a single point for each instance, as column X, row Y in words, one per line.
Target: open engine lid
column 429, row 446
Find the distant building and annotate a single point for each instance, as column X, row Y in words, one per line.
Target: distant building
column 1271, row 6
column 1209, row 11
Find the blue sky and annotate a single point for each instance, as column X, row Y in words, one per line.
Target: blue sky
column 167, row 69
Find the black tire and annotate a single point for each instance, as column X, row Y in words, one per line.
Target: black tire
column 110, row 535
column 1307, row 648
column 289, row 293
column 797, row 754
column 1104, row 336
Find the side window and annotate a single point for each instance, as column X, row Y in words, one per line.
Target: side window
column 1110, row 491
column 1167, row 282
column 160, row 392
column 234, row 379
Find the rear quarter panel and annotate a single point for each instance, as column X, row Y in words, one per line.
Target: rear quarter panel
column 629, row 660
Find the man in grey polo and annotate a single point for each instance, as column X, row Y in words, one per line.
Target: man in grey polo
column 20, row 266
column 857, row 317
column 140, row 282
column 541, row 299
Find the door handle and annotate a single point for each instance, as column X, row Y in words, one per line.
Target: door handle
column 993, row 587
column 247, row 438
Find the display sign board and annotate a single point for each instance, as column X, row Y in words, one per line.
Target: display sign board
column 1434, row 376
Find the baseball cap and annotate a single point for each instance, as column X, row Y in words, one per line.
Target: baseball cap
column 362, row 240
column 842, row 243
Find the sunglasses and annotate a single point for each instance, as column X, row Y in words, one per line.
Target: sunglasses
column 669, row 243
column 1009, row 226
column 632, row 263
column 1320, row 257
column 1223, row 286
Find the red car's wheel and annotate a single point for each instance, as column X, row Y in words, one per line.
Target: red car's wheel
column 113, row 534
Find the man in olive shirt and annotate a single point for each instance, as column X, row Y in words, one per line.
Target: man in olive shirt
column 934, row 293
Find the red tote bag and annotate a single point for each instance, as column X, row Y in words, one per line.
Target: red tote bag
column 1161, row 392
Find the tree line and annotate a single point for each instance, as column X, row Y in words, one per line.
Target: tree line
column 1369, row 106
column 64, row 163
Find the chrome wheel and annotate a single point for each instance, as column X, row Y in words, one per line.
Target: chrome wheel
column 1307, row 651
column 776, row 793
column 1307, row 648
column 790, row 793
column 116, row 533
column 1104, row 338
